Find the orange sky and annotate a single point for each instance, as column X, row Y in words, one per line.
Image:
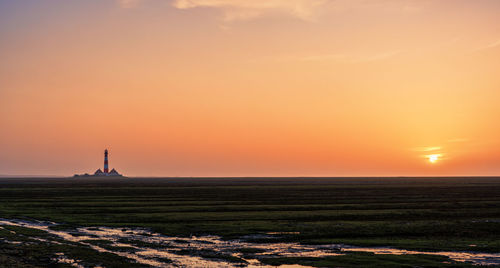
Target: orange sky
column 250, row 88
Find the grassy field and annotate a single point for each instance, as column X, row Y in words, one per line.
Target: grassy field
column 434, row 214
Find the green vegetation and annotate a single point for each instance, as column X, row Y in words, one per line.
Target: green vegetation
column 361, row 259
column 410, row 213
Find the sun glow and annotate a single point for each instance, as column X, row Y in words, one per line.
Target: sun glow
column 433, row 158
column 239, row 88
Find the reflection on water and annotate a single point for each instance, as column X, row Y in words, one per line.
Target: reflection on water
column 158, row 250
column 63, row 259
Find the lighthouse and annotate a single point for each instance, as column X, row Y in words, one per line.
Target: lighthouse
column 100, row 173
column 106, row 169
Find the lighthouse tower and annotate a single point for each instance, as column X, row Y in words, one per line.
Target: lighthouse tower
column 105, row 173
column 106, row 169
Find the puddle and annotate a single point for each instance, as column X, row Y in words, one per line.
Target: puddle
column 63, row 259
column 158, row 250
column 11, row 242
column 283, row 233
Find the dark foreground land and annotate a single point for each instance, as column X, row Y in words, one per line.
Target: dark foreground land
column 431, row 214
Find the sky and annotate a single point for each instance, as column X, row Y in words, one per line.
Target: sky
column 250, row 88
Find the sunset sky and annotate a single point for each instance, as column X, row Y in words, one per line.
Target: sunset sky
column 250, row 87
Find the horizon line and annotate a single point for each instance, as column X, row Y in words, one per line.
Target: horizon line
column 2, row 176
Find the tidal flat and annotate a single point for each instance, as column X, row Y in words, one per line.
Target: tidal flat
column 248, row 222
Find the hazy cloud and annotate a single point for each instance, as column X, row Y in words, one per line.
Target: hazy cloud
column 427, row 149
column 326, row 57
column 248, row 9
column 351, row 58
column 489, row 46
column 380, row 56
column 432, row 153
column 307, row 10
column 128, row 3
column 458, row 140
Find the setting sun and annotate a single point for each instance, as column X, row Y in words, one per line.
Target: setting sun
column 249, row 133
column 250, row 88
column 433, row 158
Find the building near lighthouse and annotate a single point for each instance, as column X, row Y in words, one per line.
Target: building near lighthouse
column 101, row 173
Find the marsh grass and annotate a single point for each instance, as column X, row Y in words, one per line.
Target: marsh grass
column 362, row 259
column 437, row 214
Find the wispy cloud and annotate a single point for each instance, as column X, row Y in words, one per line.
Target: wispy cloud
column 249, row 9
column 128, row 3
column 380, row 56
column 489, row 46
column 431, row 153
column 351, row 58
column 427, row 149
column 307, row 10
column 458, row 140
column 326, row 57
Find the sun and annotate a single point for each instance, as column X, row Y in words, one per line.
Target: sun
column 433, row 158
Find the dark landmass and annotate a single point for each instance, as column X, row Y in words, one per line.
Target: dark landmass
column 433, row 214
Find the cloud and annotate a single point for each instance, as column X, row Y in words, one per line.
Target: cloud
column 327, row 57
column 427, row 149
column 351, row 58
column 380, row 56
column 248, row 9
column 489, row 46
column 307, row 10
column 432, row 153
column 128, row 3
column 458, row 140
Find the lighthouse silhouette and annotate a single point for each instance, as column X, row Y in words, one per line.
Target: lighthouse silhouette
column 101, row 173
column 106, row 168
column 106, row 171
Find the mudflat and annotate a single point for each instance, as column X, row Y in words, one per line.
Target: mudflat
column 419, row 214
